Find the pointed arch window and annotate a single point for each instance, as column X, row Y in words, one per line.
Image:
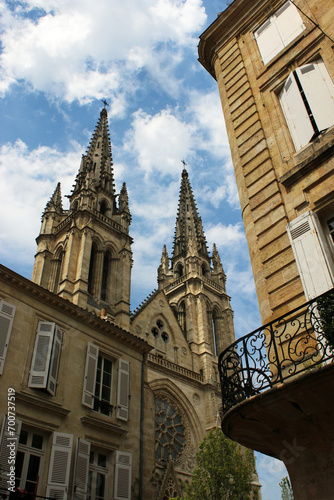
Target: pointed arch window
column 103, row 207
column 215, row 330
column 106, row 272
column 58, row 267
column 92, row 269
column 181, row 317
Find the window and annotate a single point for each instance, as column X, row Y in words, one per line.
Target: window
column 97, row 390
column 278, row 31
column 330, row 226
column 103, row 386
column 7, row 313
column 29, row 459
column 161, row 337
column 170, row 437
column 307, row 100
column 8, row 453
column 97, row 476
column 311, row 254
column 46, row 356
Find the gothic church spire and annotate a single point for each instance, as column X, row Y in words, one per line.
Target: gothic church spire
column 189, row 234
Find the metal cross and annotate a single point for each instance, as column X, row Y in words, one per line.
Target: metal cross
column 184, row 163
column 105, row 103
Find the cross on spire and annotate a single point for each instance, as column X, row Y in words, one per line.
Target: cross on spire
column 105, row 103
column 184, row 163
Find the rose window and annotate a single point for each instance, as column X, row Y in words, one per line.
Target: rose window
column 169, row 430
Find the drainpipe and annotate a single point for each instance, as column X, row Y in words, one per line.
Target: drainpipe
column 141, row 442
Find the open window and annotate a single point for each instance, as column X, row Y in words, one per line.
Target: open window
column 307, row 101
column 311, row 254
column 46, row 357
column 278, row 31
column 98, row 384
column 7, row 313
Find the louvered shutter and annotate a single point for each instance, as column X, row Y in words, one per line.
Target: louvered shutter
column 40, row 365
column 7, row 313
column 123, row 387
column 295, row 113
column 123, row 466
column 305, row 237
column 90, row 376
column 7, row 459
column 289, row 23
column 81, row 469
column 54, row 363
column 268, row 40
column 319, row 91
column 60, row 463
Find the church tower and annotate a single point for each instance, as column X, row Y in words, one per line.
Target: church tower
column 194, row 285
column 84, row 253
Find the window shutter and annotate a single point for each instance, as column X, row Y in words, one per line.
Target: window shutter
column 7, row 313
column 268, row 40
column 6, row 457
column 60, row 463
column 123, row 390
column 305, row 238
column 90, row 375
column 42, row 354
column 289, row 23
column 295, row 113
column 123, row 468
column 54, row 364
column 81, row 469
column 319, row 91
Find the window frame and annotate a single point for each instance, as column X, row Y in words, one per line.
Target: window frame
column 28, row 450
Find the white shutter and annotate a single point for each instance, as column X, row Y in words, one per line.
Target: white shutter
column 289, row 23
column 319, row 91
column 81, row 469
column 310, row 257
column 7, row 313
column 90, row 376
column 295, row 113
column 123, row 466
column 42, row 354
column 60, row 463
column 8, row 449
column 54, row 363
column 123, row 387
column 268, row 40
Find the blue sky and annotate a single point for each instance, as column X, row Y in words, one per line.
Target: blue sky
column 58, row 59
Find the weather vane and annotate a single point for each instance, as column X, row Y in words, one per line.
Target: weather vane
column 105, row 103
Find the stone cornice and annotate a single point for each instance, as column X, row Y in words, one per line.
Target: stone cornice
column 41, row 403
column 74, row 311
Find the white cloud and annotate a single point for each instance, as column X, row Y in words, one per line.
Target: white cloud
column 225, row 236
column 160, row 142
column 78, row 50
column 30, row 177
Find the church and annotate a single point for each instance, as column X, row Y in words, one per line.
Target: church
column 100, row 403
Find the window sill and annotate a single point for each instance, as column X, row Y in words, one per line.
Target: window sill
column 308, row 158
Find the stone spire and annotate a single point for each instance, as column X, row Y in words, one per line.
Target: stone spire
column 96, row 171
column 189, row 234
column 55, row 203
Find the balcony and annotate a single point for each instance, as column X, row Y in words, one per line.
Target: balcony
column 274, row 354
column 277, row 390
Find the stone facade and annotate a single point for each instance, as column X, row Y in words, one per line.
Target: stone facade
column 274, row 65
column 123, row 398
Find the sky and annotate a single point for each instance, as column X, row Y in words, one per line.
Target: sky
column 58, row 60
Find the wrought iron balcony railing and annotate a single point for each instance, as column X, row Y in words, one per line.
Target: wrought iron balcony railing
column 274, row 353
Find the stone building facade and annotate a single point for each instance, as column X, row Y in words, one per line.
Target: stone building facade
column 109, row 404
column 274, row 65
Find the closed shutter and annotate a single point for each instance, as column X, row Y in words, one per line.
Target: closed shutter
column 319, row 91
column 90, row 376
column 123, row 387
column 123, row 466
column 60, row 463
column 7, row 313
column 40, row 365
column 289, row 23
column 305, row 238
column 81, row 469
column 268, row 40
column 8, row 449
column 295, row 113
column 54, row 364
